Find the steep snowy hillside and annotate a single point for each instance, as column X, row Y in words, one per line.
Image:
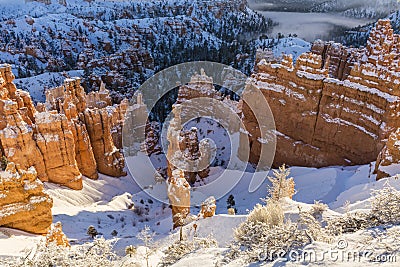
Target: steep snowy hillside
column 358, row 36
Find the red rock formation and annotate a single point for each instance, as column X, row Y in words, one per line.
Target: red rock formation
column 109, row 159
column 208, row 208
column 184, row 147
column 55, row 140
column 200, row 85
column 16, row 132
column 56, row 234
column 72, row 134
column 23, row 205
column 338, row 58
column 70, row 100
column 322, row 120
column 97, row 126
column 179, row 197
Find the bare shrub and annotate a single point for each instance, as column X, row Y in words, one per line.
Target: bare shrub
column 318, row 208
column 385, row 204
column 266, row 232
column 97, row 253
column 385, row 209
column 147, row 237
column 271, row 214
column 179, row 249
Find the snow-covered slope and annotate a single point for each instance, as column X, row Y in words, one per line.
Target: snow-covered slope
column 118, row 204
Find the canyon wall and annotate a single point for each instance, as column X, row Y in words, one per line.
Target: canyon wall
column 71, row 135
column 335, row 105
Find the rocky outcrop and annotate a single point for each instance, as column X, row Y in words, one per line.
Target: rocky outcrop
column 71, row 135
column 200, row 85
column 70, row 100
column 23, row 205
column 388, row 163
column 208, row 208
column 17, row 141
column 340, row 59
column 109, row 159
column 179, row 197
column 335, row 106
column 55, row 140
column 97, row 127
column 56, row 235
column 185, row 151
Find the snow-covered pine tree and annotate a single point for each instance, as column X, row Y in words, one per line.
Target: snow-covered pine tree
column 282, row 186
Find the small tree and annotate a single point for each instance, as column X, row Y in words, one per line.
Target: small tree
column 282, row 186
column 3, row 163
column 114, row 233
column 147, row 237
column 130, row 250
column 231, row 203
column 92, row 232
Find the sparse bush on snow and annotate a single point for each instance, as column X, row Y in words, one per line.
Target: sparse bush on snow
column 266, row 231
column 317, row 209
column 95, row 254
column 271, row 214
column 147, row 237
column 180, row 249
column 385, row 209
column 385, row 204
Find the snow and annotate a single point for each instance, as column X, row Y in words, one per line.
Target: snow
column 36, row 85
column 341, row 121
column 107, row 204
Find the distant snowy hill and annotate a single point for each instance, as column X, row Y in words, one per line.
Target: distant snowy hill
column 352, row 8
column 359, row 9
column 359, row 35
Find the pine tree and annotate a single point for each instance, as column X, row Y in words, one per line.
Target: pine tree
column 282, row 186
column 231, row 203
column 92, row 232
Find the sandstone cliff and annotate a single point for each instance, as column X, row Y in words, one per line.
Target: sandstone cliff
column 335, row 105
column 23, row 205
